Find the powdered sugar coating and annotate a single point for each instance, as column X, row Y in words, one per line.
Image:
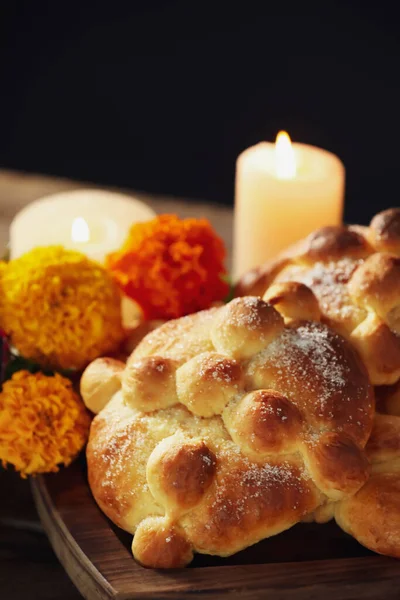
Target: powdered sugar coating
column 251, row 496
column 250, row 318
column 311, row 365
column 252, row 395
column 328, row 281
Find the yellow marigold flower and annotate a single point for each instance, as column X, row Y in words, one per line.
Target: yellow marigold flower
column 59, row 308
column 43, row 423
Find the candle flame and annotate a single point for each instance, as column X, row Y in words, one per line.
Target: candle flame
column 285, row 160
column 80, row 230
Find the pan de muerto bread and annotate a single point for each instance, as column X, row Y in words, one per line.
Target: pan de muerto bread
column 227, row 427
column 372, row 515
column 355, row 274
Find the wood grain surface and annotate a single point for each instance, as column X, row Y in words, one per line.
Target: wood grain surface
column 307, row 562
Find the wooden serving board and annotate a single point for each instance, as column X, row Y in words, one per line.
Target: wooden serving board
column 306, row 562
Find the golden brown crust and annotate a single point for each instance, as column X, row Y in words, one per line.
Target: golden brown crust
column 331, row 243
column 225, row 460
column 179, row 471
column 250, row 500
column 161, row 545
column 384, row 443
column 321, row 374
column 149, row 383
column 100, row 381
column 264, row 422
column 293, row 300
column 136, row 333
column 337, row 465
column 372, row 516
column 207, row 382
column 256, row 281
column 245, row 327
column 111, row 446
column 379, row 348
column 385, row 231
column 355, row 274
column 164, row 341
column 375, row 286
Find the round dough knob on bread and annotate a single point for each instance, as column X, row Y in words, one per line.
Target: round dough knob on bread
column 375, row 286
column 160, row 545
column 100, row 381
column 293, row 301
column 384, row 231
column 264, row 422
column 149, row 383
column 179, row 471
column 245, row 326
column 207, row 382
column 329, row 243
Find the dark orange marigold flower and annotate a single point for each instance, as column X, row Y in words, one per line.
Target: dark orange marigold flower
column 171, row 267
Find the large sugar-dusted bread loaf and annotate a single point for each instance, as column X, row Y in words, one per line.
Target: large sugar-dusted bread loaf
column 226, row 427
column 354, row 272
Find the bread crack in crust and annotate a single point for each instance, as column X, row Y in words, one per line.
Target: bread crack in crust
column 228, row 426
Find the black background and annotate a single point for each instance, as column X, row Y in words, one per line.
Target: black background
column 162, row 96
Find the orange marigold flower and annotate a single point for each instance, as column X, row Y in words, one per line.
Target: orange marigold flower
column 59, row 308
column 43, row 423
column 171, row 267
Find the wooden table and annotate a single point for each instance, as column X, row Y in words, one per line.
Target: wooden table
column 29, row 570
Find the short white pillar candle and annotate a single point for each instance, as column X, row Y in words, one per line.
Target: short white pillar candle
column 95, row 222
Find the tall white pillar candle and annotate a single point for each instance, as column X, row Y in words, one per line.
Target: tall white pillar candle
column 284, row 191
